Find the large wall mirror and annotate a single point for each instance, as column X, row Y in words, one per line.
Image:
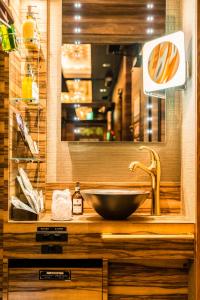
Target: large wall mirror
column 102, row 95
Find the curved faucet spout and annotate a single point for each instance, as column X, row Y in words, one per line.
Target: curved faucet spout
column 138, row 165
column 154, row 171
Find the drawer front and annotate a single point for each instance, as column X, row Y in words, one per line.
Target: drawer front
column 94, row 245
column 63, row 280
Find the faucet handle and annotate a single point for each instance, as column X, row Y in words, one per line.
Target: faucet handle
column 153, row 153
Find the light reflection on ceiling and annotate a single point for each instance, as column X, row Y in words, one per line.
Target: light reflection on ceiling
column 76, row 61
column 78, row 91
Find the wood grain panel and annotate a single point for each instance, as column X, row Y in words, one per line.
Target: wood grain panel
column 161, row 279
column 170, row 194
column 110, row 21
column 34, row 116
column 4, row 88
column 92, row 245
column 84, row 284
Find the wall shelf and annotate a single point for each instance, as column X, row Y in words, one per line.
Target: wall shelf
column 27, row 103
column 27, row 160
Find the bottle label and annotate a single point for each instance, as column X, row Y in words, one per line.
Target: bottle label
column 77, row 206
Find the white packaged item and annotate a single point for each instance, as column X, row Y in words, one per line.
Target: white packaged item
column 61, row 208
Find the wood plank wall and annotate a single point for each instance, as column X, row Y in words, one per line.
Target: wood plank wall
column 170, row 195
column 112, row 21
column 4, row 98
column 35, row 118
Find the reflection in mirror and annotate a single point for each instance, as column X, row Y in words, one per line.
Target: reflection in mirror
column 102, row 95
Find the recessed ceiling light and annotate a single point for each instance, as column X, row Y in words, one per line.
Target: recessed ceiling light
column 150, row 18
column 77, row 80
column 77, row 5
column 149, row 131
column 77, row 42
column 150, row 30
column 77, row 17
column 150, row 5
column 76, row 105
column 77, row 29
column 76, row 130
column 106, row 65
column 149, row 106
column 149, row 119
column 103, row 90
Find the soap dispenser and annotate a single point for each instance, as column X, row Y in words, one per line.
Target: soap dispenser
column 30, row 31
column 27, row 84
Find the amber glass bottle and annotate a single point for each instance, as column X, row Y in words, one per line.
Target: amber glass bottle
column 77, row 201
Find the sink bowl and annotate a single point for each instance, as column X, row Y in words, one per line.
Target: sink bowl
column 115, row 204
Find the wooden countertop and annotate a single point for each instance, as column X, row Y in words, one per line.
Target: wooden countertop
column 92, row 223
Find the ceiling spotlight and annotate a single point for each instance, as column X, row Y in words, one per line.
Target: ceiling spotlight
column 77, row 80
column 77, row 42
column 77, row 131
column 149, row 131
column 77, row 17
column 77, row 5
column 103, row 90
column 150, row 18
column 149, row 106
column 150, row 30
column 105, row 65
column 77, row 29
column 150, row 5
column 149, row 119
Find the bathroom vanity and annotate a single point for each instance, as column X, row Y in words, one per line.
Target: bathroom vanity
column 142, row 257
column 94, row 142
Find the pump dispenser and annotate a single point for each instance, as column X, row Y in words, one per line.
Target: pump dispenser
column 30, row 31
column 27, row 83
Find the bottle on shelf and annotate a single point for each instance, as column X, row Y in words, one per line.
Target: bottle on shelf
column 5, row 38
column 30, row 32
column 27, row 83
column 77, row 201
column 35, row 90
column 30, row 91
column 8, row 37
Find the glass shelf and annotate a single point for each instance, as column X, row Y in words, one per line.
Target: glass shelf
column 29, row 44
column 27, row 160
column 27, row 103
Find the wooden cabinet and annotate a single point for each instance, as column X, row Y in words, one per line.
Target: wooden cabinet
column 147, row 279
column 55, row 279
column 124, row 266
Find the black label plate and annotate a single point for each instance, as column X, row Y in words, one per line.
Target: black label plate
column 55, row 275
column 47, row 229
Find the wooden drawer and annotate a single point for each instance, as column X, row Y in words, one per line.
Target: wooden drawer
column 55, row 279
column 95, row 245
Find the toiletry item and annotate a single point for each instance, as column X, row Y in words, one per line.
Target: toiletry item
column 27, row 83
column 34, row 198
column 12, row 37
column 77, row 201
column 35, row 91
column 24, row 131
column 61, row 208
column 30, row 31
column 5, row 38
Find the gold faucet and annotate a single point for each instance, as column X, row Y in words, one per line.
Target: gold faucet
column 154, row 171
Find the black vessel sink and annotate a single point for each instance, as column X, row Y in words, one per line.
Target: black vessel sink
column 115, row 204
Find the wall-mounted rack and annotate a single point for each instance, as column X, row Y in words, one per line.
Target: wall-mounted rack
column 6, row 16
